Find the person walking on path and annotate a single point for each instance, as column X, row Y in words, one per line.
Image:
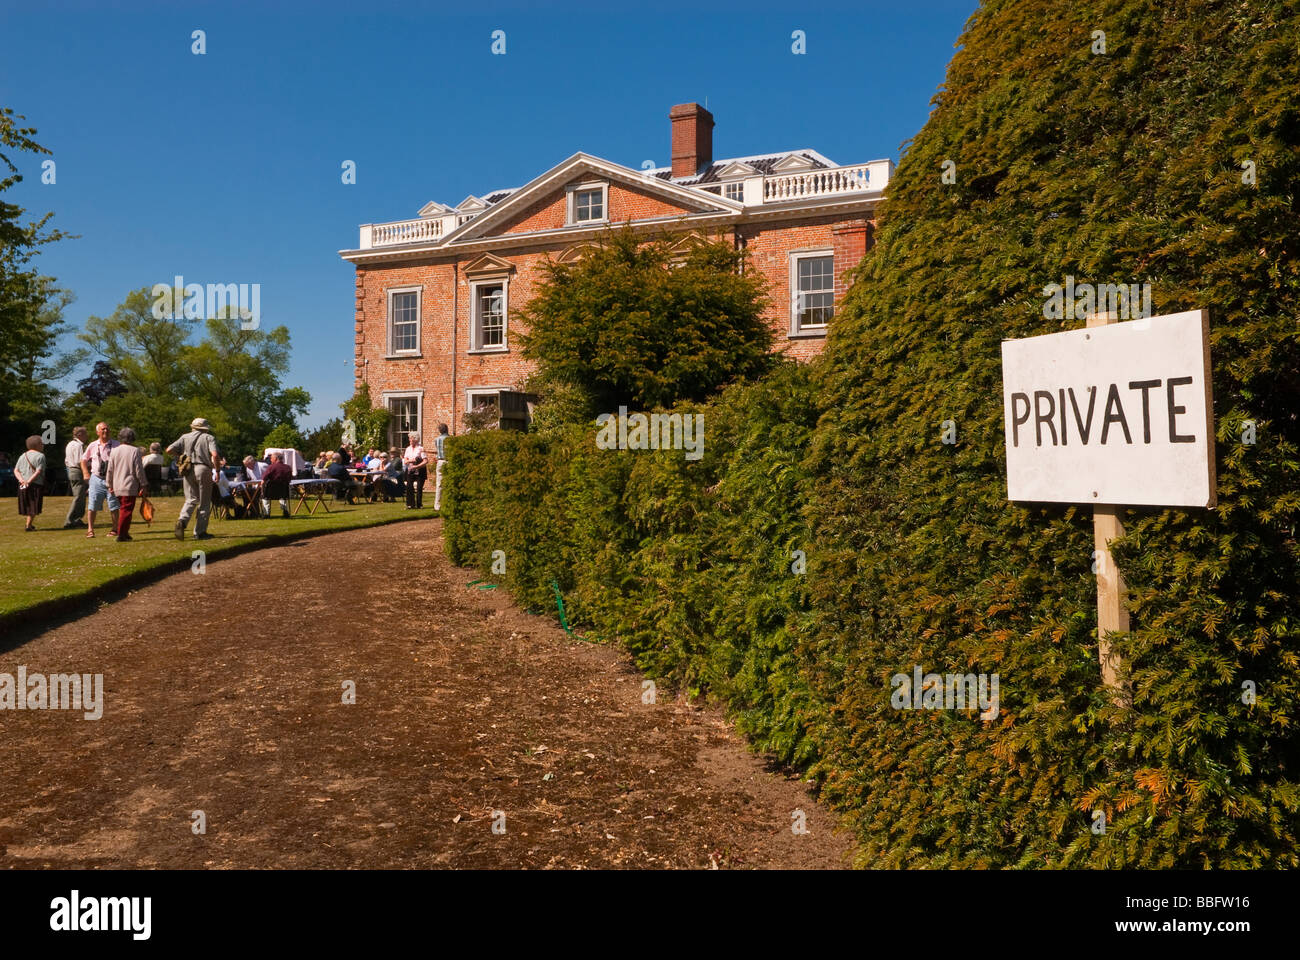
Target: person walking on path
column 417, row 471
column 94, row 467
column 201, row 448
column 126, row 480
column 440, row 454
column 76, row 481
column 29, row 471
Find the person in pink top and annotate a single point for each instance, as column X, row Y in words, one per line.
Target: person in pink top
column 417, row 464
column 94, row 467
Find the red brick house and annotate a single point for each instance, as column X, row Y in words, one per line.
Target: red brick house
column 435, row 296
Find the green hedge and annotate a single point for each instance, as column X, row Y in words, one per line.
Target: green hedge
column 1121, row 167
column 689, row 564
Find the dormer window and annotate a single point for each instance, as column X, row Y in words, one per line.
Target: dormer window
column 734, row 191
column 589, row 203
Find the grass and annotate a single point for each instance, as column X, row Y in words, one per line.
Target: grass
column 54, row 565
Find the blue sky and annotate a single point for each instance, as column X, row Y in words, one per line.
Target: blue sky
column 226, row 167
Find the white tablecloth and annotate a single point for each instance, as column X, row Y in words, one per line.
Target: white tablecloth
column 292, row 458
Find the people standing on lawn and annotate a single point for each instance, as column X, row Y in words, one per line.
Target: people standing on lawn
column 94, row 467
column 277, row 474
column 126, row 480
column 201, row 448
column 417, row 464
column 29, row 471
column 440, row 455
column 76, row 481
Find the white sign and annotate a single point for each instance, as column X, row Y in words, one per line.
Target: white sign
column 1116, row 414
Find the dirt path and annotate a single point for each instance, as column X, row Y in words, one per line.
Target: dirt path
column 223, row 693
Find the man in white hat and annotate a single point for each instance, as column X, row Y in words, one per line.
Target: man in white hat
column 201, row 448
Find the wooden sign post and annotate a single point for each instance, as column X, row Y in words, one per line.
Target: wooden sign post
column 1115, row 415
column 1112, row 614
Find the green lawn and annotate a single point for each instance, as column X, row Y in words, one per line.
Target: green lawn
column 57, row 564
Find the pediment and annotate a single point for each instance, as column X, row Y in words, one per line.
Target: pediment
column 549, row 190
column 792, row 162
column 434, row 209
column 691, row 241
column 488, row 265
column 471, row 203
column 736, row 170
column 575, row 253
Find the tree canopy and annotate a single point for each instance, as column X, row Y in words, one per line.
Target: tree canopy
column 231, row 376
column 31, row 305
column 646, row 325
column 1114, row 142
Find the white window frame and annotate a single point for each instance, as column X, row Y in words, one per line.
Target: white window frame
column 472, row 392
column 475, row 334
column 811, row 329
column 389, row 293
column 577, row 188
column 418, row 396
column 737, row 185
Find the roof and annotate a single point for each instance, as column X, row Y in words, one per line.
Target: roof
column 762, row 162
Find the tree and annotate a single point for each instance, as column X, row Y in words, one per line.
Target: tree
column 102, row 383
column 284, row 436
column 643, row 325
column 371, row 422
column 1167, row 151
column 326, row 437
column 31, row 305
column 231, row 376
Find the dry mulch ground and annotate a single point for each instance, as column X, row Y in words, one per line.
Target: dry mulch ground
column 224, row 694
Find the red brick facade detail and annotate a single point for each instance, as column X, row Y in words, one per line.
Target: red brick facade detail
column 445, row 368
column 552, row 211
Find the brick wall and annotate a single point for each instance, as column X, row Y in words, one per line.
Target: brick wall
column 551, row 212
column 446, row 293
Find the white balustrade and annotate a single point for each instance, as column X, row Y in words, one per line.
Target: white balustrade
column 821, row 183
column 405, row 231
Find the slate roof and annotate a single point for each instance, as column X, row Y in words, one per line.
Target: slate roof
column 763, row 164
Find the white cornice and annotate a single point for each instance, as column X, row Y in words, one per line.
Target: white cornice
column 864, row 201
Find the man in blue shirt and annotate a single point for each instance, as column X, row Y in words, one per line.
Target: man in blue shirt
column 440, row 452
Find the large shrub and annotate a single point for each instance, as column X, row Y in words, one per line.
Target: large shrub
column 688, row 564
column 1125, row 166
column 647, row 325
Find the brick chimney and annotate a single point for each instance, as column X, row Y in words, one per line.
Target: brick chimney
column 692, row 138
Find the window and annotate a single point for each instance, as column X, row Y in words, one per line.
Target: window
column 734, row 191
column 404, row 417
column 812, row 289
column 489, row 325
column 404, row 321
column 587, row 203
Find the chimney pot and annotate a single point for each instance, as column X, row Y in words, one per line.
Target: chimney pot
column 692, row 139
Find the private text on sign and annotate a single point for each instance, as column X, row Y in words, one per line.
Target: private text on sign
column 1116, row 414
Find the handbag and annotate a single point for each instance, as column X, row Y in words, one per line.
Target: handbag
column 146, row 509
column 183, row 463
